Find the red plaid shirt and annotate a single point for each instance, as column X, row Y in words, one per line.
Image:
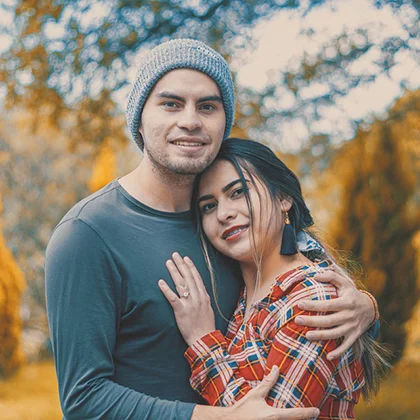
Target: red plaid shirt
column 225, row 368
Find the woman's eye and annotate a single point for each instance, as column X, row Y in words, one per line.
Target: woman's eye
column 208, row 207
column 237, row 192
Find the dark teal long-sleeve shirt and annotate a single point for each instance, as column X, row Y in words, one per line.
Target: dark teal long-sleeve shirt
column 117, row 349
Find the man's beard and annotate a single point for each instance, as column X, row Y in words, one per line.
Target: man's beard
column 190, row 167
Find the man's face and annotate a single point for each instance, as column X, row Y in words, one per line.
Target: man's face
column 183, row 122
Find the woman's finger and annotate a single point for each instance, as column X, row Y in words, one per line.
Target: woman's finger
column 196, row 276
column 180, row 283
column 185, row 272
column 171, row 296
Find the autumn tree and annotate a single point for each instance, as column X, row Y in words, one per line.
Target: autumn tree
column 41, row 181
column 69, row 61
column 379, row 213
column 104, row 168
column 12, row 284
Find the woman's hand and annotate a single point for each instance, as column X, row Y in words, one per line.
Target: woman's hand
column 351, row 313
column 192, row 308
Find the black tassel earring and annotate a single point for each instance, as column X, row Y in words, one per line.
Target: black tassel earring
column 288, row 242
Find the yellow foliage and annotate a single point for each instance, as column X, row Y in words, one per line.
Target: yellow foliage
column 378, row 215
column 104, row 170
column 12, row 284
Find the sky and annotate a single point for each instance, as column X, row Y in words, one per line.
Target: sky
column 279, row 45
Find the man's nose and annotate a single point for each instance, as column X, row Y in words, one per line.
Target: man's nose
column 189, row 119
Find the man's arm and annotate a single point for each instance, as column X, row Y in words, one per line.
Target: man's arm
column 352, row 314
column 84, row 293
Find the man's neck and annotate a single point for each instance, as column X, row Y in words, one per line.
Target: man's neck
column 164, row 191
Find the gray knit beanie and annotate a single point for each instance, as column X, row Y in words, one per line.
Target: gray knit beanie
column 177, row 54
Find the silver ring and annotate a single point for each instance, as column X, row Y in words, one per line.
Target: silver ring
column 185, row 294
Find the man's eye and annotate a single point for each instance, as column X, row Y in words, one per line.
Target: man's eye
column 238, row 192
column 170, row 104
column 208, row 107
column 208, row 207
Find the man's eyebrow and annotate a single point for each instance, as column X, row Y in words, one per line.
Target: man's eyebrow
column 169, row 95
column 224, row 189
column 211, row 98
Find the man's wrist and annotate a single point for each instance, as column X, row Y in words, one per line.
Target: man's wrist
column 203, row 412
column 375, row 307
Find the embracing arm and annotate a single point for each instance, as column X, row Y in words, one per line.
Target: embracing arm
column 352, row 314
column 195, row 318
column 302, row 364
column 84, row 305
column 305, row 373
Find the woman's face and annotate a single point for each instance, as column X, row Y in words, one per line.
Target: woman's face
column 225, row 215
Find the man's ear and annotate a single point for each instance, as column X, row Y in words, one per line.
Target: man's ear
column 286, row 204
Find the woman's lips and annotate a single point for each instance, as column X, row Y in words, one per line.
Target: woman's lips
column 235, row 234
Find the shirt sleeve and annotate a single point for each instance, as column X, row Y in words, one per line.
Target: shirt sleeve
column 84, row 294
column 304, row 371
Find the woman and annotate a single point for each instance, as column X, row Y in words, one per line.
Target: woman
column 250, row 206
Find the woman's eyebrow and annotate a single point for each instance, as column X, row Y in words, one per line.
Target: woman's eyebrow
column 230, row 185
column 224, row 189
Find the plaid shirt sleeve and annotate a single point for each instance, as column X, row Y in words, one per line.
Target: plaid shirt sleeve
column 304, row 371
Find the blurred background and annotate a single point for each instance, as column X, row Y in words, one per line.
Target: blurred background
column 332, row 86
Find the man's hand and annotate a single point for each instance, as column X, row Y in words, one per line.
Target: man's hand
column 254, row 407
column 353, row 312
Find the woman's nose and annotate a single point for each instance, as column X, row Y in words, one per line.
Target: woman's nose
column 225, row 213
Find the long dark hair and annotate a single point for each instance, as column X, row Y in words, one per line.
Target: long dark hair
column 259, row 161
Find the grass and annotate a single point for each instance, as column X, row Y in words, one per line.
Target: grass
column 398, row 399
column 32, row 395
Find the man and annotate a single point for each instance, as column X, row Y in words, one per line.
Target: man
column 116, row 345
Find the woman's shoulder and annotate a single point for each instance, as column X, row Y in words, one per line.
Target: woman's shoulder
column 300, row 283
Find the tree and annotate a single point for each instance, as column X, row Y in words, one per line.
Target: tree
column 69, row 60
column 379, row 213
column 104, row 169
column 41, row 181
column 12, row 285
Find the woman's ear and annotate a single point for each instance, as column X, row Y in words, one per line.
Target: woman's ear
column 286, row 204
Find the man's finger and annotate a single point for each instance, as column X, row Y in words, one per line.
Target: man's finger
column 263, row 388
column 342, row 348
column 321, row 321
column 172, row 298
column 338, row 280
column 295, row 413
column 332, row 305
column 332, row 334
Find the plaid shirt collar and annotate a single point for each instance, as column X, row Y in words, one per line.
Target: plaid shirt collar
column 282, row 283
